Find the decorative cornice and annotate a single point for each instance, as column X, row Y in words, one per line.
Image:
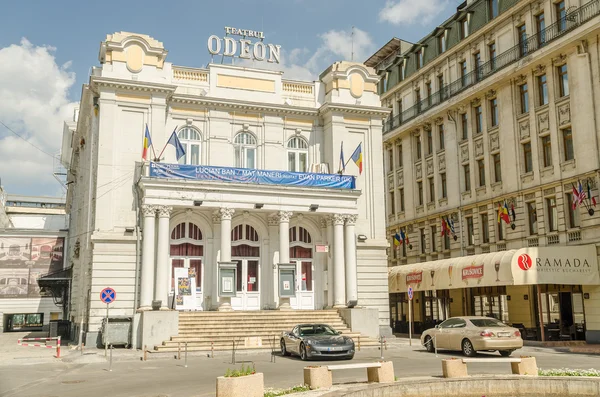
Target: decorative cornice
column 354, row 109
column 132, row 85
column 427, row 127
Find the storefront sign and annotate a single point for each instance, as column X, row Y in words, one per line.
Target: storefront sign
column 321, row 248
column 472, row 272
column 414, row 278
column 244, row 48
column 246, row 175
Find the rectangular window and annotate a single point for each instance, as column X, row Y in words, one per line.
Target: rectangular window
column 418, row 144
column 464, row 28
column 441, row 136
column 561, row 14
column 441, row 40
column 420, row 58
column 470, row 231
column 476, row 65
column 433, row 233
column 467, row 175
column 428, row 89
column 446, row 241
column 563, row 80
column 568, row 144
column 399, row 111
column 465, row 126
column 390, row 154
column 401, row 194
column 524, row 98
column 463, row 73
column 485, row 229
column 497, row 168
column 481, row 172
column 552, row 214
column 423, row 240
column 444, row 189
column 540, row 24
column 478, row 120
column 532, row 218
column 429, row 142
column 493, row 8
column 420, row 192
column 392, row 203
column 522, row 33
column 500, row 229
column 542, row 90
column 528, row 161
column 441, row 88
column 547, row 151
column 399, row 160
column 573, row 213
column 492, row 55
column 494, row 111
column 418, row 99
column 431, row 190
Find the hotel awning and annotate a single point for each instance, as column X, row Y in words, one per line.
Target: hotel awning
column 576, row 265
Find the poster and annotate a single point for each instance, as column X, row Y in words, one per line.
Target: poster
column 286, row 285
column 183, row 286
column 191, row 272
column 228, row 284
column 179, row 300
column 185, row 290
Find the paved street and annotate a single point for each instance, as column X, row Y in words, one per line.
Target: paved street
column 87, row 375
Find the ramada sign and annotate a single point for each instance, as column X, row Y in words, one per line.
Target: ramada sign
column 472, row 272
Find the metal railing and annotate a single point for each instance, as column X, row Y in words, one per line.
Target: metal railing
column 533, row 43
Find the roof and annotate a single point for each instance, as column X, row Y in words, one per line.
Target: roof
column 388, row 49
column 35, row 199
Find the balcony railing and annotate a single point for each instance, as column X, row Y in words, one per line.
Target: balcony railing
column 558, row 29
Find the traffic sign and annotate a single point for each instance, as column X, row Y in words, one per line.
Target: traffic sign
column 108, row 295
column 410, row 293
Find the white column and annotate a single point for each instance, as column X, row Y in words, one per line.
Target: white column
column 284, row 250
column 147, row 276
column 339, row 277
column 226, row 215
column 329, row 226
column 350, row 248
column 161, row 288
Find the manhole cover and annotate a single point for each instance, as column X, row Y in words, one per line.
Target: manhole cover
column 71, row 382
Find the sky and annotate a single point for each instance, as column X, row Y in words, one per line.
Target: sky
column 47, row 49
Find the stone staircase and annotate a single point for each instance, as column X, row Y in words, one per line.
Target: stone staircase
column 249, row 330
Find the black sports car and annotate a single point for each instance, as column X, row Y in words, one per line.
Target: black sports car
column 316, row 341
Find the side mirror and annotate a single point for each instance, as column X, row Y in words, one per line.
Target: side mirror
column 438, row 327
column 339, row 332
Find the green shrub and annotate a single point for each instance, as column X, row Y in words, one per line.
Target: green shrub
column 283, row 392
column 568, row 372
column 244, row 371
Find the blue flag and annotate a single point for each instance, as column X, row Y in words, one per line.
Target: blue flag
column 179, row 150
column 342, row 162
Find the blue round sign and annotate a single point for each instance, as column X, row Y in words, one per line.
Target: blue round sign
column 108, row 295
column 410, row 293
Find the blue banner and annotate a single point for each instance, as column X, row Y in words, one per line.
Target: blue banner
column 246, row 175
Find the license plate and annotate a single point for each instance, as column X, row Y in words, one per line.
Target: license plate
column 504, row 334
column 334, row 349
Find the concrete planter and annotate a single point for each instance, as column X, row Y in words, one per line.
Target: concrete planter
column 383, row 374
column 241, row 386
column 527, row 366
column 454, row 369
column 317, row 377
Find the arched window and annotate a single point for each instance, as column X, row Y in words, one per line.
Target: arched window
column 297, row 154
column 190, row 139
column 245, row 150
column 186, row 245
column 244, row 241
column 301, row 250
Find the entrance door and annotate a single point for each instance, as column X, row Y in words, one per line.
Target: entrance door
column 305, row 286
column 248, row 285
column 195, row 272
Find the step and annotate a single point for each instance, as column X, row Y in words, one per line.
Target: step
column 207, row 348
column 282, row 327
column 230, row 337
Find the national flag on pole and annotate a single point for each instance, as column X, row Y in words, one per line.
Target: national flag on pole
column 147, row 143
column 404, row 237
column 575, row 197
column 179, row 150
column 512, row 212
column 582, row 195
column 397, row 239
column 503, row 213
column 342, row 167
column 445, row 228
column 589, row 189
column 357, row 157
column 451, row 223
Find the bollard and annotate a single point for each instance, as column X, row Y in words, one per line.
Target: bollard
column 58, row 348
column 212, row 349
column 110, row 360
column 233, row 353
column 145, row 353
column 435, row 345
column 185, row 366
column 385, row 342
column 82, row 346
column 381, row 346
column 179, row 350
column 358, row 342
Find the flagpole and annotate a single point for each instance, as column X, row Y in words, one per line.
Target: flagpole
column 583, row 201
column 162, row 151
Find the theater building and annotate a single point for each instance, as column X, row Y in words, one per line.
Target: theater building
column 496, row 111
column 255, row 215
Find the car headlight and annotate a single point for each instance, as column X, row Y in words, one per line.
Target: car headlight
column 309, row 342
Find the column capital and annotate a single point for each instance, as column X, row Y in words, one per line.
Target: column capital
column 164, row 211
column 337, row 219
column 351, row 219
column 226, row 213
column 283, row 216
column 148, row 210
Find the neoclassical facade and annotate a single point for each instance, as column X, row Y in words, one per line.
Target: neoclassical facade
column 260, row 187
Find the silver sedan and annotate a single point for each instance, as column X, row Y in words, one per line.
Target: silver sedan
column 316, row 341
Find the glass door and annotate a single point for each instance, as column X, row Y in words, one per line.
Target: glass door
column 186, row 294
column 305, row 296
column 248, row 285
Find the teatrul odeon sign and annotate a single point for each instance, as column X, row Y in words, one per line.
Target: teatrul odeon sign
column 244, row 48
column 576, row 265
column 253, row 176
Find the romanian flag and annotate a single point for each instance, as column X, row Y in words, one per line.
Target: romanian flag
column 404, row 237
column 358, row 158
column 503, row 213
column 147, row 143
column 445, row 228
column 397, row 239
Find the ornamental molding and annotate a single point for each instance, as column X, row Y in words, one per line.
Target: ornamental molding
column 131, row 85
column 323, row 223
column 427, row 127
column 476, row 102
column 520, row 79
column 539, row 69
column 491, row 94
column 226, row 213
column 351, row 220
column 561, row 59
column 337, row 219
column 149, row 210
column 273, row 220
column 164, row 211
column 283, row 216
column 438, row 120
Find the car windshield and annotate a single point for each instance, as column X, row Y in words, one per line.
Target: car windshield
column 487, row 322
column 316, row 330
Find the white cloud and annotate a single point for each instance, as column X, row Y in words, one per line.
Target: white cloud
column 34, row 103
column 336, row 45
column 410, row 11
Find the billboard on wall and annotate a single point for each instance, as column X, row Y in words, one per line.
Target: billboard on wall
column 23, row 260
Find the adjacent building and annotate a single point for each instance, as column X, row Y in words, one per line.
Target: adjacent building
column 491, row 160
column 253, row 210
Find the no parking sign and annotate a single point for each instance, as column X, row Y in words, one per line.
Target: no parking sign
column 410, row 293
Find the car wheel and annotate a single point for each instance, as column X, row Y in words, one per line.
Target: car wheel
column 505, row 353
column 303, row 355
column 284, row 352
column 429, row 344
column 467, row 348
